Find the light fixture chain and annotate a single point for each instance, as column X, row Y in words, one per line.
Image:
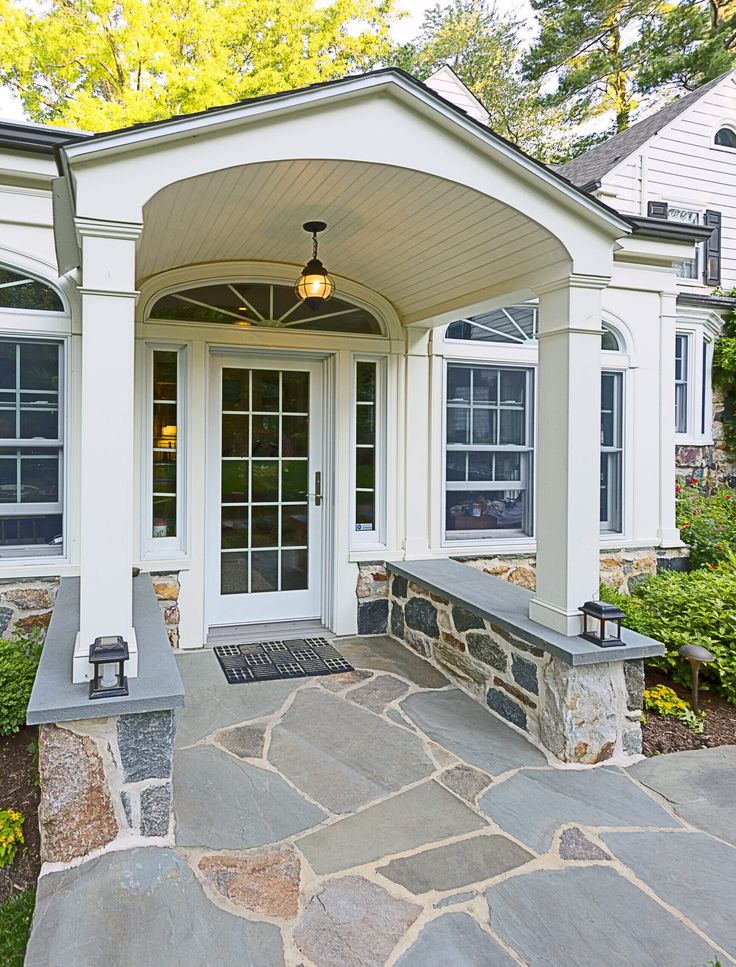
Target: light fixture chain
column 314, row 245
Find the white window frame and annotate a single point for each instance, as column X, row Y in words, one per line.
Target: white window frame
column 496, row 535
column 165, row 548
column 698, row 426
column 29, row 553
column 698, row 259
column 731, row 126
column 616, row 504
column 361, row 540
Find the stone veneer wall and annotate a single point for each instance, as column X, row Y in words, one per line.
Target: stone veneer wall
column 166, row 589
column 105, row 782
column 25, row 605
column 714, row 463
column 620, row 569
column 583, row 714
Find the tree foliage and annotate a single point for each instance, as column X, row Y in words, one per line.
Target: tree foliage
column 102, row 64
column 483, row 48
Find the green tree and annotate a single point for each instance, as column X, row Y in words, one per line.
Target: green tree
column 102, row 64
column 483, row 48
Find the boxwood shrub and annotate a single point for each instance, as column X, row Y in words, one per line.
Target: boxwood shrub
column 696, row 607
column 19, row 656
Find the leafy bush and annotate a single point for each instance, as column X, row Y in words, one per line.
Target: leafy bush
column 724, row 370
column 11, row 835
column 15, row 927
column 19, row 657
column 665, row 701
column 696, row 607
column 707, row 522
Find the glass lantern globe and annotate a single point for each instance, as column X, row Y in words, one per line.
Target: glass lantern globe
column 314, row 286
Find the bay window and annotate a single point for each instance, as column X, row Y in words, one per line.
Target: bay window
column 682, row 382
column 31, row 448
column 488, row 454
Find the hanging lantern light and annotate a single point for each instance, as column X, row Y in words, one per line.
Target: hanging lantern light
column 314, row 286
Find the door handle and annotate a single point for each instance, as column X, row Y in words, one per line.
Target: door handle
column 317, row 489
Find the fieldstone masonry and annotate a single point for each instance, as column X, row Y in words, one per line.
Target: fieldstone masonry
column 714, row 463
column 25, row 605
column 105, row 781
column 584, row 714
column 166, row 588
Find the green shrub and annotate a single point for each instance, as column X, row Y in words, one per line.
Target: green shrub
column 697, row 607
column 15, row 927
column 19, row 656
column 707, row 522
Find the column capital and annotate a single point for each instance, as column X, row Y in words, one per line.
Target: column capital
column 101, row 228
column 575, row 280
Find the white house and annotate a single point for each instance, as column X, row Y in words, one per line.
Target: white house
column 497, row 373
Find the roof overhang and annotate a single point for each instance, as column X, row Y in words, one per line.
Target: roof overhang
column 670, row 231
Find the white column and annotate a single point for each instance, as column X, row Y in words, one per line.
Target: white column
column 568, row 451
column 416, row 451
column 107, row 449
column 668, row 533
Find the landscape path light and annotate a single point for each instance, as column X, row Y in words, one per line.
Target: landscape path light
column 696, row 655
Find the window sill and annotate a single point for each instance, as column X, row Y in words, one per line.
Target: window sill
column 22, row 568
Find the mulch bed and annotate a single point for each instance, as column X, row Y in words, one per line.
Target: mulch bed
column 19, row 790
column 668, row 735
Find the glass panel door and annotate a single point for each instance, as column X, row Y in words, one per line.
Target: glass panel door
column 268, row 512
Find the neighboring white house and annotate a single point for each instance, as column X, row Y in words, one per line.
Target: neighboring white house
column 168, row 403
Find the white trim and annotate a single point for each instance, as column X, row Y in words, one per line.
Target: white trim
column 375, row 539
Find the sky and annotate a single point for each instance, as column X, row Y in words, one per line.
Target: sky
column 404, row 30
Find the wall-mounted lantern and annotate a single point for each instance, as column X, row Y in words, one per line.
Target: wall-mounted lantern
column 314, row 286
column 602, row 623
column 696, row 655
column 108, row 655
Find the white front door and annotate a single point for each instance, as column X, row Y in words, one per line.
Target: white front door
column 265, row 504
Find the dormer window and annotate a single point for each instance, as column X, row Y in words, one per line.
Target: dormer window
column 726, row 138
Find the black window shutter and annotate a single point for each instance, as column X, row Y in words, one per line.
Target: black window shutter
column 657, row 209
column 712, row 270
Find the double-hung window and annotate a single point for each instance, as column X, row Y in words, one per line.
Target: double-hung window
column 611, row 451
column 682, row 382
column 369, row 379
column 489, row 449
column 31, row 448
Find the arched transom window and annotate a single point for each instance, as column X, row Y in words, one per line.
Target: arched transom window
column 21, row 291
column 513, row 326
column 726, row 137
column 270, row 304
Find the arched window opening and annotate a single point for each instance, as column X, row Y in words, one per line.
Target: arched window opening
column 21, row 291
column 726, row 138
column 513, row 326
column 263, row 304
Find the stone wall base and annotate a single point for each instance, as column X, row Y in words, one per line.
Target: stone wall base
column 25, row 605
column 166, row 588
column 105, row 783
column 584, row 714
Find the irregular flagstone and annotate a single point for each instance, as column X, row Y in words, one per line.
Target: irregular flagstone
column 455, row 939
column 464, row 727
column 456, row 864
column 575, row 845
column 140, row 906
column 532, row 804
column 385, row 654
column 582, row 916
column 379, row 693
column 353, row 923
column 424, row 814
column 265, row 882
column 212, row 704
column 449, row 901
column 466, row 781
column 701, row 785
column 223, row 803
column 337, row 683
column 245, row 741
column 341, row 755
column 692, row 872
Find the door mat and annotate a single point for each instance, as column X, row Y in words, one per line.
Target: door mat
column 270, row 660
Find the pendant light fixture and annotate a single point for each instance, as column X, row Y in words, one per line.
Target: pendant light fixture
column 314, row 286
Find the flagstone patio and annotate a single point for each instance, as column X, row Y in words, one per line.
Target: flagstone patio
column 383, row 817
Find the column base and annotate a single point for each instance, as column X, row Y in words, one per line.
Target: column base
column 81, row 668
column 569, row 623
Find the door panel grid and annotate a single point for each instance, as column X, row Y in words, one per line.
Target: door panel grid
column 264, row 481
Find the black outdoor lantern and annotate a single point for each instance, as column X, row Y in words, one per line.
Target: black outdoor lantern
column 108, row 655
column 314, row 286
column 602, row 623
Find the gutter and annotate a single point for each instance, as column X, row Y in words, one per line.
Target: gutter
column 669, row 231
column 694, row 299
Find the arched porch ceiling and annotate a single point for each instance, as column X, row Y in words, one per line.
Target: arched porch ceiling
column 426, row 244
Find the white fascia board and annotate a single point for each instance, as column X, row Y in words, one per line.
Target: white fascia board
column 653, row 250
column 107, row 146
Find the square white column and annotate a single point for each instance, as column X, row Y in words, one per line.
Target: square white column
column 567, row 524
column 416, row 470
column 668, row 533
column 107, row 450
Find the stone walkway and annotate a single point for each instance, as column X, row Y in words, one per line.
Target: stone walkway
column 383, row 817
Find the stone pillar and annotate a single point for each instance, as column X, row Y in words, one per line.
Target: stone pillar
column 568, row 451
column 416, row 473
column 107, row 451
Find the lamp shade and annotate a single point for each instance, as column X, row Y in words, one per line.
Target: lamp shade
column 314, row 286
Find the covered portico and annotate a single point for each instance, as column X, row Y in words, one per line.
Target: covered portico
column 429, row 216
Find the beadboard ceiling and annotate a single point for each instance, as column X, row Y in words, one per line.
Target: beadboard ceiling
column 418, row 240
